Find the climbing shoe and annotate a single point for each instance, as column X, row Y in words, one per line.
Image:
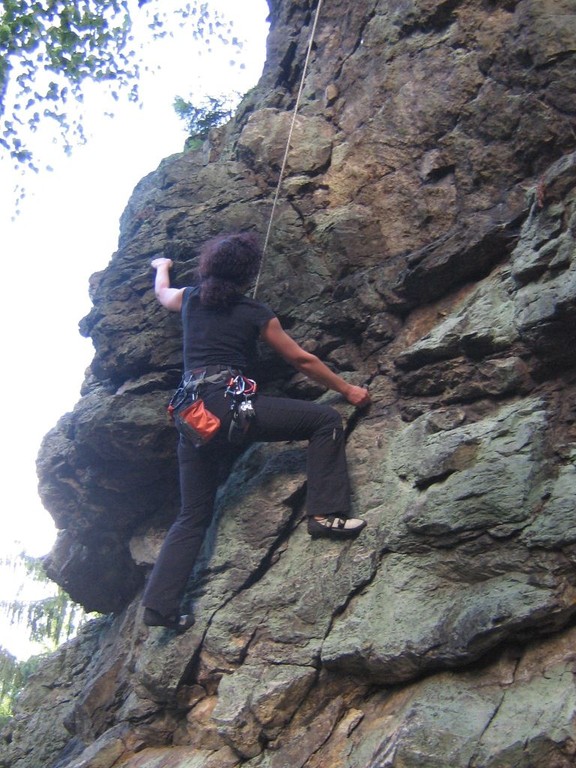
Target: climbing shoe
column 154, row 618
column 335, row 527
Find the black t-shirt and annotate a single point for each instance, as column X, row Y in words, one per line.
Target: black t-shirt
column 221, row 336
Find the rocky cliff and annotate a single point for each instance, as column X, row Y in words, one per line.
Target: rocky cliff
column 425, row 242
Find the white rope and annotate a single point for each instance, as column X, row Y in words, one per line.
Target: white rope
column 284, row 161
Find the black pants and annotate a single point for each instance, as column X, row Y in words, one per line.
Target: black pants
column 203, row 470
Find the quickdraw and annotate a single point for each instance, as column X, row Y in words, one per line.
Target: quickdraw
column 240, row 387
column 187, row 392
column 241, row 390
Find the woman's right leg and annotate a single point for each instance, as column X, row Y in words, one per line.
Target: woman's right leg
column 279, row 418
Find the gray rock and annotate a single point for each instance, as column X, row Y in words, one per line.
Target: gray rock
column 423, row 242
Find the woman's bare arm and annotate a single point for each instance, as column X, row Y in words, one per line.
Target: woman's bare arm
column 310, row 365
column 171, row 298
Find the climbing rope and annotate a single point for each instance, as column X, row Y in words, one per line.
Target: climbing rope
column 284, row 161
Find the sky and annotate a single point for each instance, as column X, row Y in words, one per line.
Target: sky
column 66, row 230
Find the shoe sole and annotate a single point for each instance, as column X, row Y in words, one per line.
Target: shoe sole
column 336, row 533
column 175, row 626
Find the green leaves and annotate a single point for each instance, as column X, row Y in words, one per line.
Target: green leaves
column 200, row 118
column 50, row 49
column 49, row 620
column 11, row 681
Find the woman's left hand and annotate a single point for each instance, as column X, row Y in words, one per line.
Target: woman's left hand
column 162, row 261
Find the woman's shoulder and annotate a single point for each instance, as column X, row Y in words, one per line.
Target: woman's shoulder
column 256, row 306
column 190, row 298
column 191, row 291
column 248, row 300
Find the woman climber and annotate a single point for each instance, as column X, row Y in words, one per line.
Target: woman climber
column 221, row 328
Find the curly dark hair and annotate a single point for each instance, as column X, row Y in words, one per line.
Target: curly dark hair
column 226, row 266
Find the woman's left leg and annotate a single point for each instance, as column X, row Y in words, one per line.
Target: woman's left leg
column 202, row 470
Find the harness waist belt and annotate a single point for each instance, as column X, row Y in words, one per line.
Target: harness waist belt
column 212, row 370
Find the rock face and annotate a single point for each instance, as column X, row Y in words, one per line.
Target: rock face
column 424, row 241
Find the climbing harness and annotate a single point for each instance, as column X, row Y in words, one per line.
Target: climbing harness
column 287, row 150
column 241, row 390
column 199, row 425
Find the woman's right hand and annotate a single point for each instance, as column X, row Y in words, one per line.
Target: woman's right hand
column 358, row 396
column 162, row 261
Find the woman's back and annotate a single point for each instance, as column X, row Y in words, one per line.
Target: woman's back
column 221, row 335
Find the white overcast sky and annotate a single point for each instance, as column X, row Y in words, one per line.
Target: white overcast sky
column 66, row 230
